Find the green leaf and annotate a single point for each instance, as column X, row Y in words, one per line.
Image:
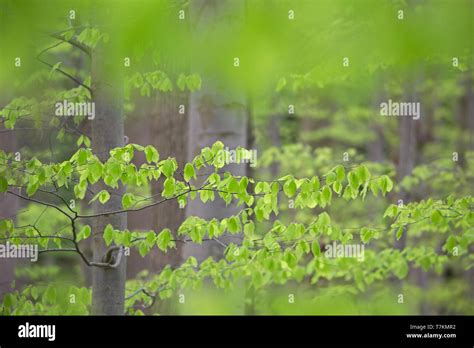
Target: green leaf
column 337, row 187
column 330, row 178
column 150, row 239
column 3, row 184
column 10, row 300
column 189, row 172
column 326, row 195
column 290, row 259
column 83, row 140
column 164, row 240
column 167, row 167
column 269, row 241
column 315, row 183
column 233, row 225
column 143, row 249
column 289, row 188
column 385, row 184
column 249, row 229
column 302, row 246
column 316, row 248
column 436, row 217
column 340, row 173
column 34, row 292
column 128, row 200
column 324, row 219
column 169, row 187
column 84, row 233
column 82, row 156
column 50, row 294
column 366, row 234
column 389, row 183
column 108, row 234
column 401, row 269
column 103, row 197
column 451, row 242
column 115, row 170
column 400, row 232
column 151, row 154
column 96, row 171
column 32, row 187
column 391, row 211
column 363, row 173
column 353, row 181
column 233, row 186
column 374, row 187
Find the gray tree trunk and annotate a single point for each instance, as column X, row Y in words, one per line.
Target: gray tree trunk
column 407, row 153
column 9, row 205
column 215, row 115
column 169, row 134
column 108, row 284
column 209, row 121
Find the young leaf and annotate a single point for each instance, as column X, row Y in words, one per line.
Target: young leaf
column 189, row 172
column 167, row 167
column 151, row 154
column 233, row 225
column 400, row 232
column 84, row 233
column 340, row 173
column 127, row 200
column 3, row 184
column 316, row 248
column 108, row 234
column 169, row 187
column 289, row 188
column 164, row 240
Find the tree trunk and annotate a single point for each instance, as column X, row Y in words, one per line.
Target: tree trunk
column 169, row 134
column 466, row 143
column 208, row 123
column 406, row 156
column 108, row 284
column 215, row 115
column 8, row 208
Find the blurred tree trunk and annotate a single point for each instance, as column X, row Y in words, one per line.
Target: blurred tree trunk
column 407, row 153
column 407, row 156
column 157, row 121
column 465, row 119
column 108, row 284
column 213, row 118
column 9, row 205
column 137, row 129
column 215, row 115
column 466, row 143
column 376, row 147
column 250, row 296
column 169, row 134
column 274, row 124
